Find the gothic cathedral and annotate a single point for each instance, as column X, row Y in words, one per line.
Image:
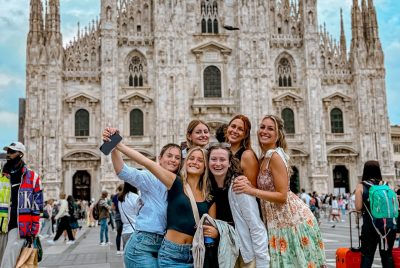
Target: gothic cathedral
column 148, row 67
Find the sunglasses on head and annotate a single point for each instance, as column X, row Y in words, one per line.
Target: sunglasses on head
column 213, row 145
column 11, row 151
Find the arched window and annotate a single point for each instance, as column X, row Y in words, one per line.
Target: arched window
column 209, row 16
column 337, row 121
column 212, row 82
column 136, row 71
column 288, row 119
column 130, row 80
column 284, row 73
column 82, row 123
column 136, row 122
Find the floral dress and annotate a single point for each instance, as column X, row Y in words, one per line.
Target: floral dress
column 294, row 236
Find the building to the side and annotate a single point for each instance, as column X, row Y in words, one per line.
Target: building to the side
column 395, row 133
column 149, row 67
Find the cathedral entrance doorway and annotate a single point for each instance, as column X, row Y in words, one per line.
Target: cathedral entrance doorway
column 340, row 180
column 81, row 185
column 295, row 180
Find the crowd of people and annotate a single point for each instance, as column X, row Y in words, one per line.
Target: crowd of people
column 207, row 204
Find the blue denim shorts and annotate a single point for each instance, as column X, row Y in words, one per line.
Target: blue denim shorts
column 141, row 250
column 175, row 255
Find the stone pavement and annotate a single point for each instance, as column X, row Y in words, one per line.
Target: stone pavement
column 85, row 253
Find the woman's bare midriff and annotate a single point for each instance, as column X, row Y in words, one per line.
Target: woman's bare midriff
column 178, row 237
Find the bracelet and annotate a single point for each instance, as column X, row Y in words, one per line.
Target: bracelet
column 257, row 191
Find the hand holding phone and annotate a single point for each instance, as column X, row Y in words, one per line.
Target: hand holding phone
column 108, row 146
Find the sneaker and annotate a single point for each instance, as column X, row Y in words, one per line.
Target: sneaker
column 109, row 243
column 120, row 253
column 333, row 226
column 103, row 244
column 51, row 242
column 70, row 242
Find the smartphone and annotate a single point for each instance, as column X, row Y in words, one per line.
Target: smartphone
column 108, row 146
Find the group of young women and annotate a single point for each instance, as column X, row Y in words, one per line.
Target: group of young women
column 229, row 183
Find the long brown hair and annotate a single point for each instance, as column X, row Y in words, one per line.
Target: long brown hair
column 168, row 146
column 246, row 142
column 281, row 140
column 233, row 171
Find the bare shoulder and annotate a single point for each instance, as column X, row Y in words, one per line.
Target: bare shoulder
column 249, row 155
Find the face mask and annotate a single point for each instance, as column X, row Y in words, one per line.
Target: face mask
column 13, row 162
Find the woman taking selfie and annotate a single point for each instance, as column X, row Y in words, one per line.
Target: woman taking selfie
column 175, row 250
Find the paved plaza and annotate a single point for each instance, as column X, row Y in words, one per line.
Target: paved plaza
column 87, row 253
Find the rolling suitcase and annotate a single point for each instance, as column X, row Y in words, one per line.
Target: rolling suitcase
column 350, row 257
column 396, row 257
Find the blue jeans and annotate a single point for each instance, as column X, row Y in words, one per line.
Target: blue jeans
column 175, row 255
column 103, row 230
column 141, row 250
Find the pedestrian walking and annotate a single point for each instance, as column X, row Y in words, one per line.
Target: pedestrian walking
column 64, row 224
column 104, row 215
column 47, row 230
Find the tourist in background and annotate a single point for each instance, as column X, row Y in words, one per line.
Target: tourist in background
column 117, row 216
column 104, row 215
column 63, row 224
column 127, row 204
column 47, row 230
column 22, row 205
column 370, row 238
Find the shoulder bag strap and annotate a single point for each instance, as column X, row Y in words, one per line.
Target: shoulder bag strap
column 193, row 203
column 127, row 217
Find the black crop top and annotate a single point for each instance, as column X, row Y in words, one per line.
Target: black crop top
column 179, row 211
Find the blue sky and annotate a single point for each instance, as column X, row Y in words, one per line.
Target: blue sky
column 14, row 15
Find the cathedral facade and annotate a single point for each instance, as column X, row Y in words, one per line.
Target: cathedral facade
column 148, row 67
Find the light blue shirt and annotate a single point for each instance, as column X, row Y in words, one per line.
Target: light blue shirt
column 152, row 203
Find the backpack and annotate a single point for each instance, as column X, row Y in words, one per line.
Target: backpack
column 96, row 211
column 312, row 204
column 383, row 209
column 383, row 201
column 45, row 214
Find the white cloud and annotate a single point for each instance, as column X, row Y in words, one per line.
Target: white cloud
column 8, row 119
column 9, row 79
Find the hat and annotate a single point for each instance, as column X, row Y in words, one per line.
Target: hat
column 16, row 146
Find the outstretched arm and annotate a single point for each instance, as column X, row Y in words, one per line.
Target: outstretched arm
column 165, row 176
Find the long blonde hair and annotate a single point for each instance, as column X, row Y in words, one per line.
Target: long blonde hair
column 204, row 183
column 281, row 140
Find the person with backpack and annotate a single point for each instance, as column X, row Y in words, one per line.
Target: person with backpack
column 103, row 208
column 379, row 207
